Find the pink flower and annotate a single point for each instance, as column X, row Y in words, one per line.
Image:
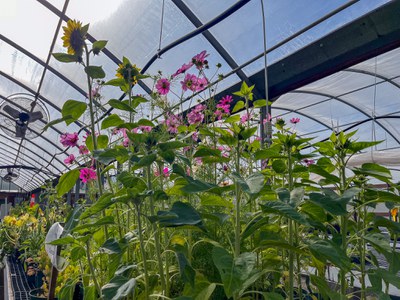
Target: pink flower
column 166, row 172
column 173, row 122
column 190, row 82
column 223, row 107
column 70, row 159
column 200, row 61
column 245, row 118
column 162, row 86
column 201, row 84
column 182, row 69
column 125, row 142
column 309, row 162
column 195, row 136
column 87, row 174
column 69, row 139
column 83, row 149
column 294, row 120
column 196, row 116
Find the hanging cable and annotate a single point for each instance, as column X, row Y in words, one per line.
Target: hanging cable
column 161, row 28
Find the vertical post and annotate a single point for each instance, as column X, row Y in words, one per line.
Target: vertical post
column 53, row 278
column 77, row 190
column 69, row 199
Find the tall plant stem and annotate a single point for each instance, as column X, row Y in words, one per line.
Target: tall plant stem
column 156, row 233
column 343, row 221
column 237, row 205
column 290, row 229
column 92, row 271
column 143, row 252
column 362, row 251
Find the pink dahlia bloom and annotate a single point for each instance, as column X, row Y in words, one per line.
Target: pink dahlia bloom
column 83, row 149
column 87, row 174
column 69, row 160
column 200, row 61
column 69, row 139
column 163, row 86
column 196, row 116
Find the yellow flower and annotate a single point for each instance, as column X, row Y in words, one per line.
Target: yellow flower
column 74, row 37
column 126, row 69
column 9, row 220
column 19, row 223
column 394, row 212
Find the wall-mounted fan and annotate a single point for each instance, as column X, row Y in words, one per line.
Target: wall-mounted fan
column 22, row 117
column 10, row 174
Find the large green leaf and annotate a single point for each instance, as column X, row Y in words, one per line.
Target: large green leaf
column 208, row 199
column 393, row 227
column 324, row 289
column 111, row 246
column 67, row 291
column 185, row 269
column 65, row 58
column 316, row 169
column 327, row 250
column 118, row 288
column 130, row 181
column 374, row 170
column 72, row 220
column 285, row 210
column 234, row 272
column 102, row 203
column 171, row 145
column 254, row 225
column 107, row 156
column 90, row 293
column 238, row 106
column 251, row 185
column 102, row 141
column 74, row 109
column 95, row 72
column 112, row 120
column 107, row 220
column 180, row 214
column 114, row 103
column 146, row 160
column 333, row 203
column 67, row 182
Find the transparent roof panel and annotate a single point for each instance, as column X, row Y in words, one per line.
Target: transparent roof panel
column 33, row 34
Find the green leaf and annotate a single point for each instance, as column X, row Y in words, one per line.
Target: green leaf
column 130, row 181
column 107, row 220
column 208, row 199
column 233, row 272
column 107, row 156
column 206, row 293
column 253, row 226
column 196, row 186
column 120, row 105
column 358, row 146
column 98, row 46
column 118, row 287
column 67, row 182
column 279, row 166
column 65, row 58
column 89, row 293
column 112, row 121
column 206, row 151
column 67, row 291
column 89, row 143
column 285, row 210
column 72, row 110
column 251, row 185
column 333, row 203
column 66, row 240
column 171, row 145
column 57, row 121
column 119, row 82
column 374, row 170
column 316, row 169
column 327, row 250
column 145, row 122
column 247, row 133
column 260, row 103
column 168, row 156
column 146, row 160
column 238, row 106
column 393, row 227
column 325, row 290
column 72, row 220
column 185, row 269
column 267, row 154
column 77, row 253
column 232, row 119
column 95, row 72
column 111, row 246
column 102, row 203
column 180, row 214
column 102, row 141
column 388, row 277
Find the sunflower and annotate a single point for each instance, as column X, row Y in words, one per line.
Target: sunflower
column 127, row 69
column 74, row 37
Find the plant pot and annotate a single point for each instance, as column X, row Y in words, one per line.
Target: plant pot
column 37, row 294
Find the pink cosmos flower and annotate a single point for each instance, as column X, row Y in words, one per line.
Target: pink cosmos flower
column 245, row 117
column 163, row 86
column 200, row 61
column 69, row 160
column 125, row 142
column 69, row 139
column 190, row 82
column 196, row 115
column 309, row 162
column 165, row 172
column 201, row 84
column 87, row 174
column 223, row 107
column 83, row 149
column 173, row 122
column 145, row 128
column 195, row 136
column 182, row 69
column 294, row 120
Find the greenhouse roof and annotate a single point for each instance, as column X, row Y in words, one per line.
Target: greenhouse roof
column 334, row 63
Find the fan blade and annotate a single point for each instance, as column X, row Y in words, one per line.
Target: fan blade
column 34, row 116
column 11, row 111
column 9, row 170
column 20, row 130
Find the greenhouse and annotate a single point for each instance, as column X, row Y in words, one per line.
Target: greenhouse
column 194, row 150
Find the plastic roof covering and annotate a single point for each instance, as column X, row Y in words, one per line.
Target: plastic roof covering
column 28, row 27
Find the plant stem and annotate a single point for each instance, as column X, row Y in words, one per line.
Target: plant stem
column 290, row 229
column 237, row 205
column 343, row 221
column 156, row 233
column 143, row 252
column 92, row 271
